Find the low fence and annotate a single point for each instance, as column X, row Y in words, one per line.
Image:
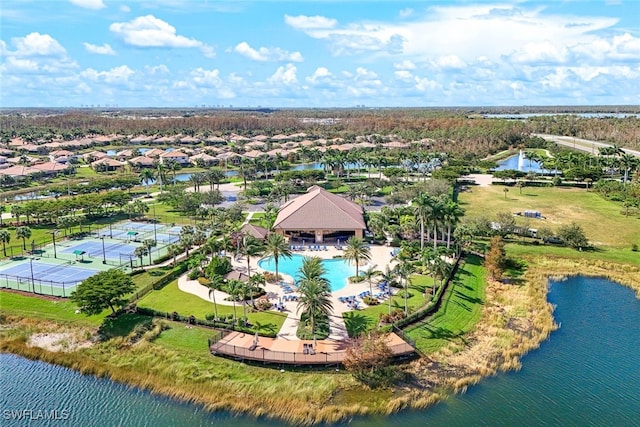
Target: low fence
column 37, row 286
column 292, row 358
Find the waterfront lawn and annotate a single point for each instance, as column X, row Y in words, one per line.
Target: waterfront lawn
column 124, row 324
column 602, row 220
column 460, row 310
column 171, row 298
column 185, row 338
column 59, row 310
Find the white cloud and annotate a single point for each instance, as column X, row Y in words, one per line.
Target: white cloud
column 302, row 22
column 117, row 75
column 404, row 65
column 124, row 8
column 284, row 76
column 36, row 44
column 320, row 74
column 405, row 12
column 89, row 4
column 403, row 75
column 208, row 51
column 449, row 62
column 157, row 69
column 105, row 49
column 149, row 31
column 267, row 54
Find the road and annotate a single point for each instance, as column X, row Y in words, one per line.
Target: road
column 581, row 144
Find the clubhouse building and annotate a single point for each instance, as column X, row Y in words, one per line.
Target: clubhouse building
column 319, row 216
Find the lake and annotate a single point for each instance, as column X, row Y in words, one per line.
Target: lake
column 587, row 373
column 520, row 163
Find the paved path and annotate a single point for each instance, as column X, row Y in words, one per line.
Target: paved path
column 581, row 144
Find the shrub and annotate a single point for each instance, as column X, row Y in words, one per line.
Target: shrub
column 270, row 277
column 194, row 274
column 263, row 304
column 369, row 361
column 219, row 266
column 395, row 315
column 356, row 279
column 634, row 247
column 370, row 300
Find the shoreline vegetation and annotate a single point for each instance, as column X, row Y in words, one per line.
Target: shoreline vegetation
column 516, row 319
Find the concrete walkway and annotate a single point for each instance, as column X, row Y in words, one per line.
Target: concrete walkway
column 380, row 258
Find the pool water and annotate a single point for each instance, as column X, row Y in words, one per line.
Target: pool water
column 338, row 270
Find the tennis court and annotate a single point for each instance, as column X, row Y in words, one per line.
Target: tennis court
column 43, row 278
column 112, row 250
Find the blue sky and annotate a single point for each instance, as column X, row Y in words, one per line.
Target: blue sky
column 186, row 53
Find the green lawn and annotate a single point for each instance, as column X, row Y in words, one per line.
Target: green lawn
column 192, row 339
column 170, row 299
column 366, row 319
column 64, row 310
column 460, row 310
column 167, row 214
column 602, row 220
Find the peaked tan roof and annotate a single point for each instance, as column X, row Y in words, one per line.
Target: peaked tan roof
column 319, row 209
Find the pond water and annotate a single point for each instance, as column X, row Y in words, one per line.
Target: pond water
column 520, row 163
column 586, row 374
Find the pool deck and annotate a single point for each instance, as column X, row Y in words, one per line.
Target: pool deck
column 380, row 258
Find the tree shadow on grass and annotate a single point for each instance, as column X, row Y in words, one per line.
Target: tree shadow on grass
column 438, row 332
column 472, row 300
column 267, row 327
column 123, row 325
column 356, row 323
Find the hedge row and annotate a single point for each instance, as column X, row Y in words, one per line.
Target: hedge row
column 192, row 320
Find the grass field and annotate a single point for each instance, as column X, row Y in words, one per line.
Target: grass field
column 61, row 311
column 460, row 310
column 170, row 299
column 603, row 221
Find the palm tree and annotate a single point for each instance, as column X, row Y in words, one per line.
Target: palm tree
column 161, row 173
column 313, row 268
column 369, row 274
column 23, row 233
column 146, row 176
column 314, row 301
column 214, row 176
column 5, row 237
column 215, row 285
column 250, row 246
column 436, row 214
column 234, row 288
column 421, row 205
column 451, row 214
column 140, row 252
column 357, row 250
column 148, row 244
column 388, row 276
column 277, row 247
column 174, row 250
column 405, row 270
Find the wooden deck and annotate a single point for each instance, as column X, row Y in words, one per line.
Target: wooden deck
column 243, row 346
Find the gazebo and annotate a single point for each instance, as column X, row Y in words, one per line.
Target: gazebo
column 319, row 216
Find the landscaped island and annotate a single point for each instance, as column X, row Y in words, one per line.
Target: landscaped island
column 448, row 255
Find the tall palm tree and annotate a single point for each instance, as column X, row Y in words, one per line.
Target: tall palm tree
column 435, row 215
column 277, row 247
column 314, row 301
column 421, row 208
column 451, row 213
column 234, row 288
column 215, row 285
column 146, row 176
column 313, row 268
column 5, row 237
column 250, row 246
column 405, row 270
column 388, row 276
column 369, row 274
column 214, row 176
column 161, row 174
column 149, row 244
column 357, row 250
column 23, row 233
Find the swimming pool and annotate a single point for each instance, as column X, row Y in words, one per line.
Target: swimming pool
column 338, row 270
